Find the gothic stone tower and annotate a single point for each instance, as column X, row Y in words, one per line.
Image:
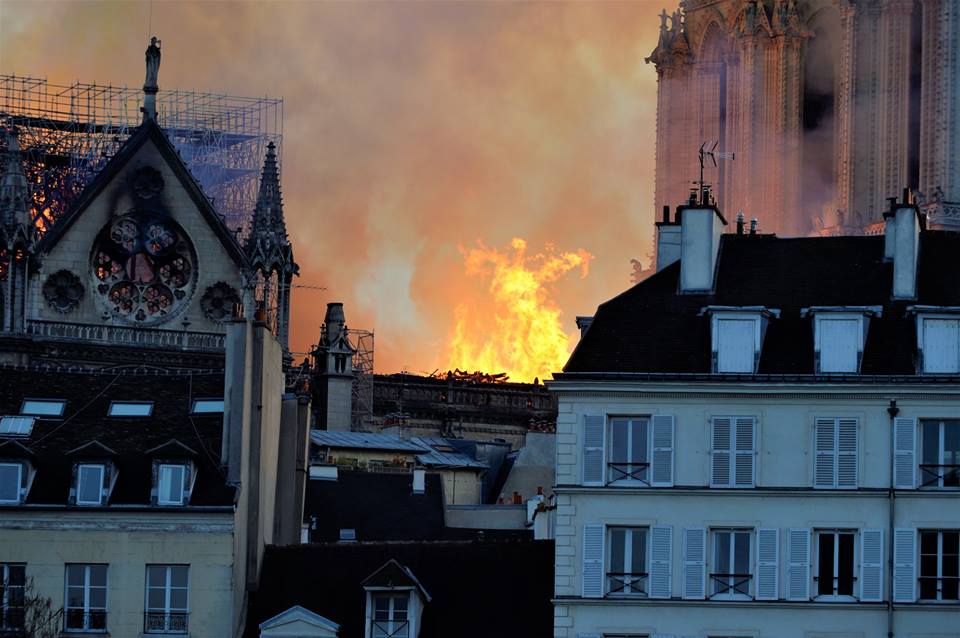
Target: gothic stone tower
column 17, row 238
column 830, row 106
column 333, row 377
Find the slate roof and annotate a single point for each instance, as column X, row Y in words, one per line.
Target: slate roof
column 363, row 441
column 651, row 329
column 131, row 442
column 478, row 589
column 383, row 507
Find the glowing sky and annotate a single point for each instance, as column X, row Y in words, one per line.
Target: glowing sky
column 412, row 131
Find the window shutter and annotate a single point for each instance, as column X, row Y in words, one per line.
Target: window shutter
column 871, row 565
column 662, row 450
column 593, row 554
column 593, row 455
column 825, row 466
column 941, row 345
column 768, row 564
column 744, row 440
column 904, row 565
column 839, row 345
column 847, row 452
column 904, row 454
column 694, row 563
column 661, row 553
column 720, row 454
column 798, row 566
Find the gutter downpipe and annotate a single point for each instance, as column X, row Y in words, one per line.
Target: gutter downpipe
column 893, row 411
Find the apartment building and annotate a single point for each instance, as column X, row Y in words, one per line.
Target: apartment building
column 762, row 440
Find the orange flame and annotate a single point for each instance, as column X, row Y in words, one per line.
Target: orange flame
column 523, row 337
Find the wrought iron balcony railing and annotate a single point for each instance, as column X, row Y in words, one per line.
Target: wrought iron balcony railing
column 80, row 620
column 626, row 583
column 163, row 622
column 627, row 472
column 939, row 475
column 730, row 584
column 939, row 588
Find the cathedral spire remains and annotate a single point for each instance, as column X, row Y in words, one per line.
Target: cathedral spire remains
column 14, row 195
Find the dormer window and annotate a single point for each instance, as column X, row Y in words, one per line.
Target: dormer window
column 90, row 478
column 43, row 407
column 839, row 336
column 171, row 484
column 16, row 426
column 130, row 408
column 395, row 602
column 390, row 619
column 940, row 345
column 10, row 481
column 207, row 406
column 736, row 337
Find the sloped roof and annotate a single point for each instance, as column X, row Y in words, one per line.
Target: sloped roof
column 651, row 329
column 149, row 130
column 363, row 441
column 479, row 589
column 444, row 453
column 132, row 441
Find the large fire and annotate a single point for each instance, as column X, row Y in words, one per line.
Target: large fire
column 522, row 335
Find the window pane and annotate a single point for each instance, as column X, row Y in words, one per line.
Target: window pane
column 619, row 452
column 74, row 596
column 156, row 598
column 10, row 482
column 130, row 409
column 16, row 576
column 845, row 566
column 75, row 575
column 951, row 453
column 98, row 575
column 638, row 444
column 722, row 552
column 171, row 484
column 37, row 407
column 930, row 435
column 617, row 550
column 98, row 597
column 639, row 559
column 90, row 483
column 156, row 575
column 178, row 575
column 741, row 553
column 178, row 598
column 825, row 563
column 400, row 608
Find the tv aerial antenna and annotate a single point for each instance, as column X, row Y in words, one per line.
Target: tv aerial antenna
column 712, row 155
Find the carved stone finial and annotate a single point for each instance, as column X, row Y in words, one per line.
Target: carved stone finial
column 150, row 86
column 663, row 20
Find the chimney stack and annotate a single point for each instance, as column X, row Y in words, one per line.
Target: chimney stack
column 700, row 229
column 583, row 323
column 906, row 246
column 740, row 223
column 668, row 240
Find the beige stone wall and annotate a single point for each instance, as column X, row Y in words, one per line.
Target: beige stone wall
column 73, row 251
column 128, row 543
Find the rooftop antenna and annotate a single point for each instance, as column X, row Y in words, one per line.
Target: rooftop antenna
column 713, row 155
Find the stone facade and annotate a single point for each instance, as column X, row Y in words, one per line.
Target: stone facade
column 830, row 107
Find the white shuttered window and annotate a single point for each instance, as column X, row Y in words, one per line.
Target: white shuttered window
column 592, row 563
column 661, row 557
column 904, row 565
column 904, row 453
column 662, row 450
column 798, row 564
column 871, row 565
column 592, row 453
column 733, row 453
column 941, row 346
column 838, row 344
column 736, row 345
column 835, row 463
column 768, row 564
column 694, row 563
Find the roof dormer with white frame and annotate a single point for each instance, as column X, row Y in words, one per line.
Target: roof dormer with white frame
column 938, row 339
column 736, row 337
column 839, row 336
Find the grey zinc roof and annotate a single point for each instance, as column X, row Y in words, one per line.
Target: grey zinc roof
column 364, row 440
column 434, row 457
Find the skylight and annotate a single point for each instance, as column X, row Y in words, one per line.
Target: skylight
column 43, row 407
column 130, row 408
column 16, row 425
column 207, row 406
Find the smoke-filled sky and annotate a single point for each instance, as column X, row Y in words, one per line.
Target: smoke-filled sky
column 414, row 132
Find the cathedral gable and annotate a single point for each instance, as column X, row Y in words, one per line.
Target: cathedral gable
column 142, row 248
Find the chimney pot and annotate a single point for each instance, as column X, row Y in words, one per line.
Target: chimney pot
column 666, row 214
column 740, row 223
column 753, row 226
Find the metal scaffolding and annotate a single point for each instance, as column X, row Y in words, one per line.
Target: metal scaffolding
column 68, row 132
column 361, row 415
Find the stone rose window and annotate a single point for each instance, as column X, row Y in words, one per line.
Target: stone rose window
column 145, row 269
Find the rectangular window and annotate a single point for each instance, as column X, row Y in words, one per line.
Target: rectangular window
column 835, row 563
column 10, row 481
column 940, row 565
column 940, row 453
column 86, row 608
column 736, row 345
column 390, row 616
column 89, row 484
column 835, row 463
column 838, row 344
column 732, row 454
column 941, row 346
column 130, row 408
column 42, row 407
column 16, row 425
column 207, row 406
column 730, row 575
column 171, row 478
column 629, row 450
column 13, row 581
column 167, row 610
column 627, row 561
